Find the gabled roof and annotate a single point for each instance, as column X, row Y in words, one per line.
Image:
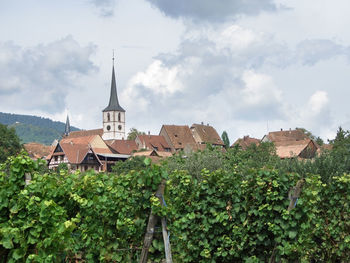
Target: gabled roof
column 122, row 146
column 75, row 153
column 75, row 134
column 206, row 134
column 290, row 149
column 113, row 99
column 245, row 142
column 76, row 148
column 154, row 141
column 288, row 135
column 180, row 136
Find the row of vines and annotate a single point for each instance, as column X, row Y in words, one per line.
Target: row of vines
column 231, row 215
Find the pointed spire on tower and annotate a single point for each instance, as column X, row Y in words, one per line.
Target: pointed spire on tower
column 67, row 128
column 113, row 100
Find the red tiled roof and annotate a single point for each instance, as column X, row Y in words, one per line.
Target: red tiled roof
column 245, row 142
column 76, row 148
column 74, row 134
column 38, row 150
column 206, row 134
column 122, row 146
column 154, row 141
column 180, row 136
column 290, row 149
column 289, row 135
column 75, row 153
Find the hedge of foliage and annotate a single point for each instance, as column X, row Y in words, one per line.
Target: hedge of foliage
column 235, row 214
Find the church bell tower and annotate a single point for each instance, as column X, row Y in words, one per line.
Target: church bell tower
column 113, row 115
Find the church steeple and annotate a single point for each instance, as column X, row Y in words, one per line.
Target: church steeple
column 113, row 99
column 113, row 115
column 67, row 127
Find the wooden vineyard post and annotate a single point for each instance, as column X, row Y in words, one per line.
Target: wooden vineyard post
column 166, row 242
column 152, row 221
column 293, row 196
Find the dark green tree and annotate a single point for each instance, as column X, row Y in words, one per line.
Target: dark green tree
column 9, row 142
column 132, row 134
column 225, row 139
column 309, row 134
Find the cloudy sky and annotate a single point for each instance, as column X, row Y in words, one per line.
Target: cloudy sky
column 244, row 66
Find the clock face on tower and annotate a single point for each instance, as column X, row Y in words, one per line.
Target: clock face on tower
column 119, row 127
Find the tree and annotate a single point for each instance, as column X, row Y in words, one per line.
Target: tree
column 225, row 139
column 133, row 134
column 9, row 142
column 309, row 134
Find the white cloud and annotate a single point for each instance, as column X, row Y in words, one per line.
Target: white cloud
column 318, row 101
column 159, row 79
column 259, row 89
column 41, row 77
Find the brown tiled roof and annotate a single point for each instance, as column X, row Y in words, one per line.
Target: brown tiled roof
column 74, row 134
column 164, row 154
column 245, row 142
column 75, row 153
column 290, row 149
column 78, row 140
column 76, row 148
column 145, row 153
column 38, row 150
column 180, row 136
column 152, row 141
column 122, row 146
column 207, row 134
column 289, row 135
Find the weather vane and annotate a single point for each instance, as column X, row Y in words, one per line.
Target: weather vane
column 113, row 56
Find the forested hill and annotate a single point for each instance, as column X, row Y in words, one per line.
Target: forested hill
column 33, row 128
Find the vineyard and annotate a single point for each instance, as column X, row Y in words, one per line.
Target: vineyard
column 232, row 207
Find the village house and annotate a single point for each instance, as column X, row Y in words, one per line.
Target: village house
column 178, row 137
column 37, row 150
column 287, row 135
column 152, row 142
column 245, row 142
column 304, row 149
column 292, row 144
column 206, row 134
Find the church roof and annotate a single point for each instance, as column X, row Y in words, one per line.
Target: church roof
column 67, row 127
column 113, row 100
